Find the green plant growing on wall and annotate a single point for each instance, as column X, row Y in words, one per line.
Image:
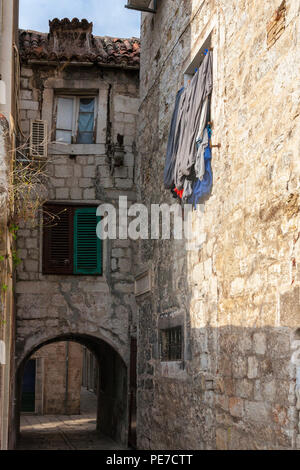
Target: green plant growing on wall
column 15, row 258
column 13, row 229
column 3, row 289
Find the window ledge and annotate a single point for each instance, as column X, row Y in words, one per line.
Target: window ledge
column 97, row 277
column 76, row 149
column 175, row 364
column 173, row 369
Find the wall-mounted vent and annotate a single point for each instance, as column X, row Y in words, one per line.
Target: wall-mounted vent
column 143, row 283
column 276, row 26
column 38, row 139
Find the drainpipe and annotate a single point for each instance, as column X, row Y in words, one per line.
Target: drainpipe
column 67, row 378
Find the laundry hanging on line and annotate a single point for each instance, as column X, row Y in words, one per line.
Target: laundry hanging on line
column 202, row 188
column 189, row 119
column 172, row 146
column 202, row 143
column 188, row 162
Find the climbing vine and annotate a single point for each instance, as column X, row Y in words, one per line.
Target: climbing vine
column 27, row 191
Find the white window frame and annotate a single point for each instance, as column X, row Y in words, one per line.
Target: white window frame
column 76, row 107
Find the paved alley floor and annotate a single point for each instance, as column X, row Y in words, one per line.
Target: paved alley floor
column 65, row 432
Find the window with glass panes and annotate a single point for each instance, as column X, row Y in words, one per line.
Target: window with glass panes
column 75, row 119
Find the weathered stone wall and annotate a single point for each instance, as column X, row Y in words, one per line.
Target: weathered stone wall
column 49, row 305
column 58, row 379
column 238, row 292
column 5, row 281
column 8, row 35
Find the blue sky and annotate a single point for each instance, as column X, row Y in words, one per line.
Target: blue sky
column 108, row 20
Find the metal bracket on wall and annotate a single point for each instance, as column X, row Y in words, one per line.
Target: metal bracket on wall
column 116, row 154
column 134, row 5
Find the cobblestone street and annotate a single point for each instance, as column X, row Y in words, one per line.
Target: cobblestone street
column 65, row 432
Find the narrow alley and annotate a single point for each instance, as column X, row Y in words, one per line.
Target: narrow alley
column 149, row 227
column 76, row 432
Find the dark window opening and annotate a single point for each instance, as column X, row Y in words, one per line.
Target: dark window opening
column 193, row 69
column 86, row 121
column 197, row 61
column 28, row 387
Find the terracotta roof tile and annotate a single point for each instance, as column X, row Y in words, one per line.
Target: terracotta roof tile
column 73, row 41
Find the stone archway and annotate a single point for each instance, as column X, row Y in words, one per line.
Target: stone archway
column 112, row 414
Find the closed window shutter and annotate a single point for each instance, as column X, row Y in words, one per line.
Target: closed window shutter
column 58, row 240
column 87, row 246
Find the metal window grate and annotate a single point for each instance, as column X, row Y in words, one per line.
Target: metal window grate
column 38, row 139
column 171, row 344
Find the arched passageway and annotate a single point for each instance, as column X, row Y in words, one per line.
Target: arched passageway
column 108, row 427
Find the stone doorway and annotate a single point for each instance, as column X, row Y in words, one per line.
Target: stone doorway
column 71, row 412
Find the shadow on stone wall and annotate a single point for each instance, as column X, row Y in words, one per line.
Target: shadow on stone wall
column 236, row 388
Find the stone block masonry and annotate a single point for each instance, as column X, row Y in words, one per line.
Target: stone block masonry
column 82, row 179
column 58, row 379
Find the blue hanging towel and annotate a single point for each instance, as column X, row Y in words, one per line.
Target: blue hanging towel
column 203, row 188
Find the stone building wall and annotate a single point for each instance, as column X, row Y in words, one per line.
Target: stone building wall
column 58, row 379
column 6, row 287
column 52, row 306
column 237, row 292
column 79, row 174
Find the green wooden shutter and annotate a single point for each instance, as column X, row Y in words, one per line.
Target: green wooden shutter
column 87, row 246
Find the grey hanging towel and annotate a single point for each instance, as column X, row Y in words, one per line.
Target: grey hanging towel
column 172, row 145
column 189, row 117
column 200, row 164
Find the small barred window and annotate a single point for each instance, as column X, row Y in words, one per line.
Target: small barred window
column 171, row 344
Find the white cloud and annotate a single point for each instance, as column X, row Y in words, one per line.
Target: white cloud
column 108, row 20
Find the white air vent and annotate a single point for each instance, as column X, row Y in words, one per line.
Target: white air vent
column 38, row 139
